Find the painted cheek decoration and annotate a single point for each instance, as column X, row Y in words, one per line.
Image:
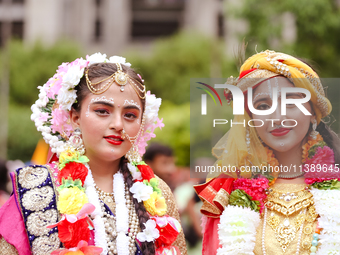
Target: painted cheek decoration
column 97, row 99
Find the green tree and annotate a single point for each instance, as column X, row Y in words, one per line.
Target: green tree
column 317, row 27
column 167, row 72
column 30, row 67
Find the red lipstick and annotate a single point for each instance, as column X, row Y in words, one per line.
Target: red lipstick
column 280, row 131
column 114, row 139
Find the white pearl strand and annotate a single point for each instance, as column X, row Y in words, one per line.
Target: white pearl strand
column 110, row 223
column 299, row 240
column 264, row 233
column 292, row 176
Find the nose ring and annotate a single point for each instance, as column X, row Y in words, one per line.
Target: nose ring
column 123, row 134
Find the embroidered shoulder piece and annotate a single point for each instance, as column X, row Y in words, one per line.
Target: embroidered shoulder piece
column 36, row 198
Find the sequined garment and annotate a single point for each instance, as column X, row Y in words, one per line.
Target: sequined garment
column 6, row 248
column 173, row 212
column 272, row 245
column 37, row 195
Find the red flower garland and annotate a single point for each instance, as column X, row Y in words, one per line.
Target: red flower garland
column 71, row 233
column 74, row 170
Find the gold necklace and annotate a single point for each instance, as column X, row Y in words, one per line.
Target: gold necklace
column 107, row 198
column 286, row 231
column 287, row 203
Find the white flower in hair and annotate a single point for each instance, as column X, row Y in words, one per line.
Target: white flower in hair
column 66, row 98
column 118, row 59
column 141, row 191
column 96, row 58
column 72, row 77
column 150, row 233
column 151, row 107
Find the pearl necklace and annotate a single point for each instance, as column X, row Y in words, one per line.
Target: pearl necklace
column 292, row 176
column 110, row 221
column 110, row 228
column 107, row 198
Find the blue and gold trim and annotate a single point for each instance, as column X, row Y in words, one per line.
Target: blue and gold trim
column 36, row 196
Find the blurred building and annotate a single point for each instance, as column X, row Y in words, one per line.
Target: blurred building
column 107, row 25
column 111, row 26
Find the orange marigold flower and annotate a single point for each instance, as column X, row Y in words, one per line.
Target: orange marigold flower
column 308, row 145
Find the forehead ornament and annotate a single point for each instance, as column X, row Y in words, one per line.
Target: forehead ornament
column 119, row 77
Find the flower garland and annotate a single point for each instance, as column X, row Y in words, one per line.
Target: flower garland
column 236, row 230
column 122, row 214
column 237, row 222
column 58, row 94
column 77, row 195
column 78, row 198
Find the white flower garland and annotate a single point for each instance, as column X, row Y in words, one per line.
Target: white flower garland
column 122, row 214
column 327, row 205
column 237, row 231
column 141, row 191
column 237, row 228
column 53, row 123
column 150, row 233
column 99, row 232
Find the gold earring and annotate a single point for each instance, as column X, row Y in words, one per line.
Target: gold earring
column 314, row 133
column 76, row 142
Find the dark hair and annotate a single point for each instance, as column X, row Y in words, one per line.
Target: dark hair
column 157, row 149
column 103, row 70
column 148, row 248
column 331, row 139
column 3, row 175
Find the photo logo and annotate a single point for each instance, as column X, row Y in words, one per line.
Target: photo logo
column 204, row 97
column 238, row 99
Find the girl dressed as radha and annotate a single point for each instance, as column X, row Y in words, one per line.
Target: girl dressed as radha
column 289, row 201
column 96, row 195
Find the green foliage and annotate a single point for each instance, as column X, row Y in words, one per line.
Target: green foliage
column 240, row 198
column 176, row 132
column 317, row 23
column 317, row 27
column 327, row 185
column 153, row 183
column 167, row 73
column 22, row 133
column 175, row 60
column 30, row 67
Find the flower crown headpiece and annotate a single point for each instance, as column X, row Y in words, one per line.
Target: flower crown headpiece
column 58, row 94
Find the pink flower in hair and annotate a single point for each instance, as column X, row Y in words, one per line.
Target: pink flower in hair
column 152, row 121
column 60, row 122
column 44, row 116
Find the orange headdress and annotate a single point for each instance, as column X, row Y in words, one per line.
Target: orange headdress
column 241, row 145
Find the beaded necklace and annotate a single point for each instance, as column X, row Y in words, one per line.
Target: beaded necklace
column 110, row 219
